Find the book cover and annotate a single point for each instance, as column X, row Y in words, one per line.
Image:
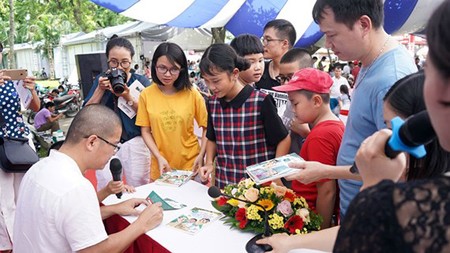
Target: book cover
column 195, row 220
column 174, row 178
column 166, row 204
column 272, row 169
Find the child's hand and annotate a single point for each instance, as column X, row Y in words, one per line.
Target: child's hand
column 129, row 188
column 198, row 163
column 115, row 187
column 205, row 172
column 163, row 165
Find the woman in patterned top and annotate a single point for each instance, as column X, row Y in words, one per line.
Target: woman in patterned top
column 13, row 126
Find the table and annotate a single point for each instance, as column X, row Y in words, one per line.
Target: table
column 215, row 237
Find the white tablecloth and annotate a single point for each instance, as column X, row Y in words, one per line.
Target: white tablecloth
column 216, row 237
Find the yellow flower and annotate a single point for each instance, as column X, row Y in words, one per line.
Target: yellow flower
column 276, row 221
column 303, row 231
column 266, row 203
column 252, row 213
column 233, row 202
column 266, row 190
column 301, row 201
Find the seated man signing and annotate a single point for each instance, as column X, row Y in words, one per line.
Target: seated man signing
column 45, row 119
column 58, row 209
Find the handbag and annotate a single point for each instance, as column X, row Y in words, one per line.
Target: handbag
column 16, row 155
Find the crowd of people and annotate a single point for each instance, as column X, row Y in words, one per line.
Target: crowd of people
column 391, row 205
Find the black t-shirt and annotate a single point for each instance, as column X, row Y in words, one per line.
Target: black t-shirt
column 266, row 82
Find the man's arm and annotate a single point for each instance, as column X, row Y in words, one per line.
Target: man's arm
column 53, row 118
column 118, row 242
column 314, row 171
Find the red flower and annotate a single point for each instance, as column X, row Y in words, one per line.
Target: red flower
column 289, row 196
column 294, row 223
column 240, row 216
column 222, row 201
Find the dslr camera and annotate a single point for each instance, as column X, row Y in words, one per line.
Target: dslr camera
column 117, row 78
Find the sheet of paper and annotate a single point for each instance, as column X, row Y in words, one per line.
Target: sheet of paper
column 135, row 89
column 24, row 93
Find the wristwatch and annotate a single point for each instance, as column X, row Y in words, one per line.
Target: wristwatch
column 130, row 102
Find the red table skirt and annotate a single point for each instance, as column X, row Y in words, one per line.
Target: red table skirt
column 143, row 244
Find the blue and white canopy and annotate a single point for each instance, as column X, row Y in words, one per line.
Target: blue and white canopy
column 250, row 16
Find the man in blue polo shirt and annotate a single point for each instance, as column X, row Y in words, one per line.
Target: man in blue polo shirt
column 353, row 30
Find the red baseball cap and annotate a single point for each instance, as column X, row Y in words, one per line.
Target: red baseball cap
column 310, row 79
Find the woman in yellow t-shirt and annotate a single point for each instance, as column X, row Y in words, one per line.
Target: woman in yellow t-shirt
column 167, row 111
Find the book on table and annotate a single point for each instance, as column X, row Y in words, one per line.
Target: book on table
column 174, row 178
column 273, row 169
column 166, row 203
column 194, row 220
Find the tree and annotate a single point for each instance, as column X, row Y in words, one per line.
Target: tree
column 44, row 21
column 12, row 31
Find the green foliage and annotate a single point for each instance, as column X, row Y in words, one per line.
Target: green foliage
column 47, row 20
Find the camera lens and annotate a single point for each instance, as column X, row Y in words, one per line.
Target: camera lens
column 118, row 78
column 118, row 88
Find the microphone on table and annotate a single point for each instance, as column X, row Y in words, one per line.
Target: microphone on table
column 116, row 170
column 408, row 136
column 251, row 246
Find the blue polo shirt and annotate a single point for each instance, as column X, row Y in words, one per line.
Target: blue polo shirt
column 130, row 130
column 366, row 111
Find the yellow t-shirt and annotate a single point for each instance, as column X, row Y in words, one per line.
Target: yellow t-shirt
column 171, row 120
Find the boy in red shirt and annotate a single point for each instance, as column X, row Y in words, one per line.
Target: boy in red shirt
column 309, row 93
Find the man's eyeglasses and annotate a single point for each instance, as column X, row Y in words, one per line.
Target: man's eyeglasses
column 283, row 79
column 266, row 41
column 163, row 70
column 115, row 63
column 116, row 146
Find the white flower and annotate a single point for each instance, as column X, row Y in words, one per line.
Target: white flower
column 304, row 214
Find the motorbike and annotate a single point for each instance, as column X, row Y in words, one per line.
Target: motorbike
column 69, row 104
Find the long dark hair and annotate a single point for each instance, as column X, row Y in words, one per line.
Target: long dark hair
column 222, row 57
column 406, row 98
column 344, row 89
column 174, row 54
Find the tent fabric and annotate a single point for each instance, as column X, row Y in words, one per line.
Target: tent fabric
column 250, row 16
column 147, row 31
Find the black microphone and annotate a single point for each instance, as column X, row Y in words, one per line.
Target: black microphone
column 251, row 246
column 116, row 170
column 408, row 136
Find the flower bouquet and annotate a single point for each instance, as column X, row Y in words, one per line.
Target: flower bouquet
column 287, row 212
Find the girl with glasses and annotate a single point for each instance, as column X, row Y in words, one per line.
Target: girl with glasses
column 167, row 111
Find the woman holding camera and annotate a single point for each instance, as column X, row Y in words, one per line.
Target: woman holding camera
column 106, row 90
column 167, row 112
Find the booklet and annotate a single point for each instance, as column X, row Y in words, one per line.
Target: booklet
column 194, row 220
column 166, row 204
column 273, row 169
column 24, row 93
column 174, row 178
column 135, row 90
